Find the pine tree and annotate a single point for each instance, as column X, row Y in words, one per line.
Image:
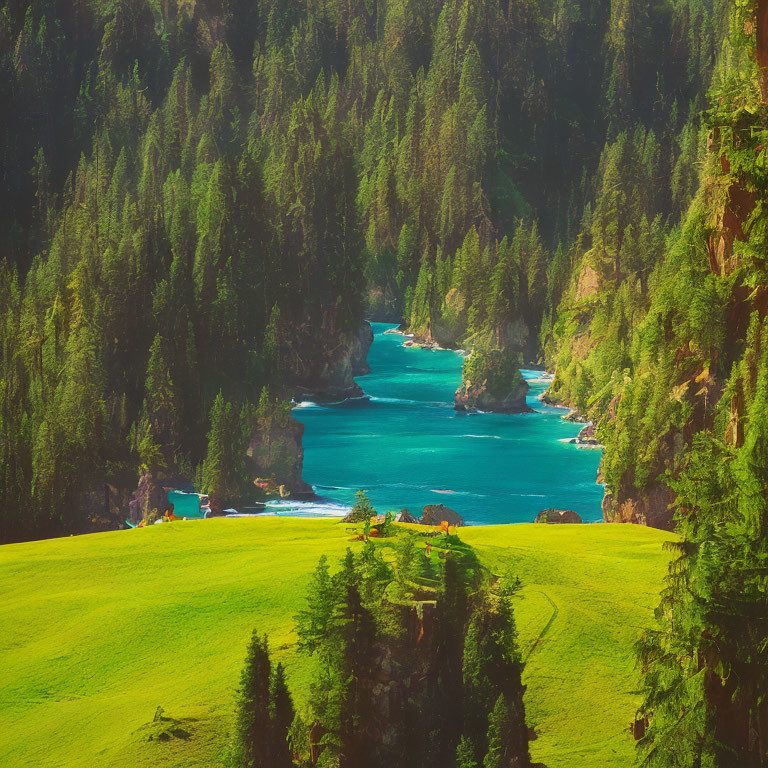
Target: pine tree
column 357, row 714
column 222, row 471
column 314, row 622
column 160, row 400
column 254, row 738
column 465, row 754
column 281, row 715
column 363, row 509
column 491, row 662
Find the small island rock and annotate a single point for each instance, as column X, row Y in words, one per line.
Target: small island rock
column 275, row 455
column 491, row 381
column 551, row 516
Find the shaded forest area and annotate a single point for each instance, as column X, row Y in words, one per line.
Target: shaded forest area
column 416, row 663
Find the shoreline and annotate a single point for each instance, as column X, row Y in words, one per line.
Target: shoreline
column 338, row 517
column 416, row 342
column 331, row 503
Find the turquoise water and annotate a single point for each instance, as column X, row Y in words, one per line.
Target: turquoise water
column 185, row 504
column 407, row 447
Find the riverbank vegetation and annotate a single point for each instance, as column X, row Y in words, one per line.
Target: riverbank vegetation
column 185, row 598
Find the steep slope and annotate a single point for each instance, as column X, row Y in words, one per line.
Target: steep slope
column 675, row 371
column 658, row 333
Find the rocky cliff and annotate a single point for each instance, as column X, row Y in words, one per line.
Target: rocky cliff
column 275, row 455
column 322, row 365
column 317, row 364
column 491, row 381
column 657, row 361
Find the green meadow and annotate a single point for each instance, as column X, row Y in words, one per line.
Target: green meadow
column 98, row 631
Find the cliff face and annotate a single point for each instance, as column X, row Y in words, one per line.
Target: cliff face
column 384, row 304
column 103, row 503
column 319, row 364
column 323, row 364
column 492, row 382
column 652, row 507
column 275, row 454
column 474, row 396
column 150, row 497
column 656, row 361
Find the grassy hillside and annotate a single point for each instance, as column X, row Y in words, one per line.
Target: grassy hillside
column 100, row 630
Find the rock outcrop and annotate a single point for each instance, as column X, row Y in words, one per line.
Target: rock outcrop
column 399, row 681
column 434, row 514
column 651, row 504
column 326, row 362
column 149, row 499
column 103, row 504
column 275, row 454
column 651, row 507
column 404, row 516
column 385, row 305
column 553, row 516
column 492, row 382
column 475, row 397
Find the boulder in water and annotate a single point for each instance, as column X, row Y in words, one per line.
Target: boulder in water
column 434, row 514
column 552, row 516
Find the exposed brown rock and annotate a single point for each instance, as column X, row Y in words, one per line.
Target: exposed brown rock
column 434, row 514
column 474, row 396
column 324, row 362
column 151, row 495
column 607, row 507
column 491, row 381
column 103, row 504
column 552, row 516
column 404, row 516
column 652, row 507
column 384, row 306
column 589, row 283
column 275, row 453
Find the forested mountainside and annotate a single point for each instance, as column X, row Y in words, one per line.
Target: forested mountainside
column 202, row 200
column 661, row 338
column 659, row 335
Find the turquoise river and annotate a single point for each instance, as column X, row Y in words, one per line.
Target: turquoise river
column 406, row 446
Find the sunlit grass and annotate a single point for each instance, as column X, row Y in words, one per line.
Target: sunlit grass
column 98, row 631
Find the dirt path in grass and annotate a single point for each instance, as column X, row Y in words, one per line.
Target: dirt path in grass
column 535, row 643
